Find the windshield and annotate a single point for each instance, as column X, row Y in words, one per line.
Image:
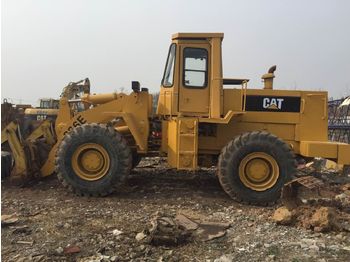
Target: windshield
column 168, row 77
column 44, row 104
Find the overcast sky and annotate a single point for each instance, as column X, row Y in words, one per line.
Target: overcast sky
column 46, row 44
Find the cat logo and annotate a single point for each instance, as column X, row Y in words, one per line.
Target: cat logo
column 272, row 103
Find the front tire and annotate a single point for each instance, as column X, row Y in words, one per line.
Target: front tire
column 93, row 160
column 254, row 167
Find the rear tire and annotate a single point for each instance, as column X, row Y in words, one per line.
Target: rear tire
column 6, row 164
column 93, row 160
column 254, row 167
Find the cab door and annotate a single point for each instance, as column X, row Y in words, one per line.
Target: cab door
column 194, row 79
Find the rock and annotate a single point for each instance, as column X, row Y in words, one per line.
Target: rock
column 7, row 220
column 141, row 248
column 314, row 248
column 282, row 216
column 224, row 258
column 59, row 250
column 211, row 230
column 140, row 236
column 309, row 164
column 329, row 164
column 339, row 236
column 334, row 247
column 22, row 230
column 345, row 187
column 117, row 232
column 185, row 222
column 71, row 250
column 324, row 219
column 341, row 197
column 25, row 242
column 346, row 248
column 165, row 231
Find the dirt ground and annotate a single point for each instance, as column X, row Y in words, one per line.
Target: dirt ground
column 55, row 225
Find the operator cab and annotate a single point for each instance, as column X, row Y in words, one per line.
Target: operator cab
column 49, row 103
column 192, row 83
column 191, row 72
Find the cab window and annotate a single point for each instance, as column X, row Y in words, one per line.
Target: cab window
column 195, row 72
column 168, row 78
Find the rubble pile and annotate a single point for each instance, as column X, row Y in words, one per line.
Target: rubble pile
column 168, row 215
column 318, row 199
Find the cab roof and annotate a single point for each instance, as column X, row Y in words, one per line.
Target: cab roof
column 196, row 35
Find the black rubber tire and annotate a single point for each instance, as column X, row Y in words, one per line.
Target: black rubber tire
column 6, row 164
column 233, row 153
column 117, row 149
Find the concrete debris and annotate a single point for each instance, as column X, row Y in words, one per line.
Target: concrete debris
column 59, row 250
column 329, row 164
column 25, row 242
column 345, row 187
column 22, row 230
column 225, row 258
column 7, row 220
column 185, row 222
column 140, row 236
column 324, row 219
column 165, row 231
column 71, row 250
column 320, row 219
column 117, row 232
column 169, row 231
column 211, row 230
column 283, row 216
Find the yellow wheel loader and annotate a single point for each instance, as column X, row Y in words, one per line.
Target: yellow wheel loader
column 202, row 119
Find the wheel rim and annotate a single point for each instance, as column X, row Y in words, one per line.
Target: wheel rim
column 258, row 171
column 90, row 161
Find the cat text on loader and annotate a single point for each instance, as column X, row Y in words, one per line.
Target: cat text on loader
column 254, row 136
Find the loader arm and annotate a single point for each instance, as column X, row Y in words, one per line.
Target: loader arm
column 26, row 160
column 133, row 109
column 9, row 134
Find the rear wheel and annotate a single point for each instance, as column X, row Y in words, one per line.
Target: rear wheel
column 93, row 160
column 254, row 167
column 6, row 164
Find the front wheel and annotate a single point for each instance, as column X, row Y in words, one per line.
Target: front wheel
column 254, row 167
column 93, row 160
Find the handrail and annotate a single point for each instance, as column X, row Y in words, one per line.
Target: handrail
column 244, row 94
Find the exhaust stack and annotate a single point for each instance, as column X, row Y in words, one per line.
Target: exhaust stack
column 268, row 78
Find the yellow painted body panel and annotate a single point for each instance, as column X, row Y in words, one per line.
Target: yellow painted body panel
column 183, row 143
column 308, row 125
column 172, row 144
column 41, row 111
column 305, row 128
column 331, row 150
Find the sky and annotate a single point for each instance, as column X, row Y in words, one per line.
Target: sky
column 45, row 43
